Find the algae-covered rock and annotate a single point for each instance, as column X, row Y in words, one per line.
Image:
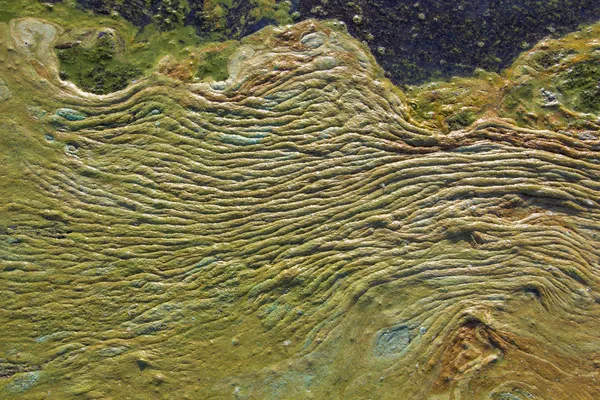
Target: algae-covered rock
column 21, row 382
column 5, row 93
column 393, row 341
column 301, row 227
column 70, row 114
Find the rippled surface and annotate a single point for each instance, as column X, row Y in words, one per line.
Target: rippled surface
column 292, row 232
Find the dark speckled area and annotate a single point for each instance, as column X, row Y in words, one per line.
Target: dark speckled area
column 414, row 41
column 427, row 39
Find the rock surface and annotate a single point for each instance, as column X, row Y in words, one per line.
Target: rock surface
column 300, row 229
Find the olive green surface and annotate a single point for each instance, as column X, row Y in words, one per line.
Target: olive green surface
column 288, row 224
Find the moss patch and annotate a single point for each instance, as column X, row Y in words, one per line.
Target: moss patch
column 580, row 85
column 98, row 68
column 212, row 63
column 461, row 119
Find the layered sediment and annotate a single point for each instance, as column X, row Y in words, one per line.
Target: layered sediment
column 297, row 230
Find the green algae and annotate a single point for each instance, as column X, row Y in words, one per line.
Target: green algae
column 164, row 14
column 103, row 54
column 580, row 85
column 213, row 20
column 461, row 119
column 6, row 16
column 70, row 114
column 97, row 68
column 547, row 59
column 212, row 64
column 106, row 54
column 22, row 382
column 552, row 86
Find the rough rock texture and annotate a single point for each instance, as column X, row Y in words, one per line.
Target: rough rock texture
column 295, row 231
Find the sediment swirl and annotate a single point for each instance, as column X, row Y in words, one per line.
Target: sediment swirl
column 292, row 232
